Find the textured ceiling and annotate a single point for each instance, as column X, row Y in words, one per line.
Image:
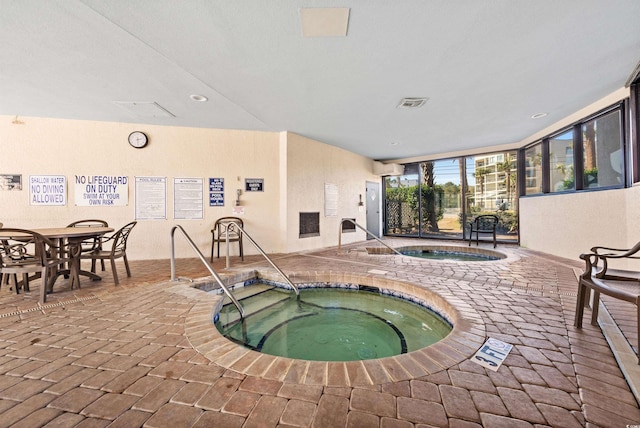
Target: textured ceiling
column 486, row 66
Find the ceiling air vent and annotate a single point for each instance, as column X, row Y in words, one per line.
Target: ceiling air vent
column 412, row 102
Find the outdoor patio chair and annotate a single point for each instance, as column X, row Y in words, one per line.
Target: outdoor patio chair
column 111, row 248
column 24, row 252
column 225, row 227
column 600, row 278
column 93, row 243
column 487, row 224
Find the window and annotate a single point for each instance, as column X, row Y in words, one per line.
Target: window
column 602, row 151
column 588, row 155
column 561, row 162
column 533, row 169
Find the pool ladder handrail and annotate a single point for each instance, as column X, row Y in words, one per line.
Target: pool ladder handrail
column 366, row 231
column 204, row 261
column 243, row 232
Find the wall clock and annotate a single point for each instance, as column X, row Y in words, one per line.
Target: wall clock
column 138, row 139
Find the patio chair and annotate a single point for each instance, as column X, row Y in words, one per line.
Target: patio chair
column 93, row 243
column 226, row 226
column 487, row 224
column 600, row 278
column 24, row 252
column 111, row 248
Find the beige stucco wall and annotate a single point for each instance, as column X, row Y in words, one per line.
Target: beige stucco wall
column 310, row 165
column 44, row 146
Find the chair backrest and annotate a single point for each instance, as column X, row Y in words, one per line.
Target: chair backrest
column 121, row 236
column 22, row 247
column 486, row 221
column 226, row 225
column 89, row 223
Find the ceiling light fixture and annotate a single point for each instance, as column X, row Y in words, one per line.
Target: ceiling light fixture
column 198, row 98
column 394, row 143
column 538, row 115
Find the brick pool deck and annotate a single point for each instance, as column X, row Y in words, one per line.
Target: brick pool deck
column 141, row 354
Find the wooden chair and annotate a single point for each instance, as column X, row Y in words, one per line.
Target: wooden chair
column 24, row 251
column 226, row 226
column 600, row 278
column 111, row 248
column 487, row 224
column 94, row 243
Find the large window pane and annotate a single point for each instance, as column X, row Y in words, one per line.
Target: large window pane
column 491, row 189
column 603, row 160
column 533, row 170
column 561, row 162
column 441, row 198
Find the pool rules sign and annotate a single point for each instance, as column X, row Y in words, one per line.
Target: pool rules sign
column 101, row 190
column 48, row 190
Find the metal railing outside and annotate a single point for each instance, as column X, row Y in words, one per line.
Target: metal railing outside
column 204, row 261
column 366, row 231
column 243, row 232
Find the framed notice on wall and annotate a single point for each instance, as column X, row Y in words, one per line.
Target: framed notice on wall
column 330, row 200
column 188, row 198
column 151, row 198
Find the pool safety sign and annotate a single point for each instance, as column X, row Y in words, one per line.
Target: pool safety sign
column 101, row 190
column 216, row 192
column 492, row 353
column 48, row 190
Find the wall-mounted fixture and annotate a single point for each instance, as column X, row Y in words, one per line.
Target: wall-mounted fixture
column 238, row 193
column 360, row 204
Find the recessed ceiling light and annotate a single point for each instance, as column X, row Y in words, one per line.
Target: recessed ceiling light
column 199, row 98
column 414, row 102
column 538, row 115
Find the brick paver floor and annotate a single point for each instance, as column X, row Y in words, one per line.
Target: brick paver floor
column 120, row 356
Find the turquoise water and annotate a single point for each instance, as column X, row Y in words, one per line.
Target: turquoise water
column 329, row 324
column 449, row 255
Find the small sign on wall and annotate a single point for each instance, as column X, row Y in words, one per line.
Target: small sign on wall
column 10, row 182
column 254, row 184
column 48, row 190
column 216, row 192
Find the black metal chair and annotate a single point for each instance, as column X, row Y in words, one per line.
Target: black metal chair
column 225, row 227
column 486, row 224
column 112, row 247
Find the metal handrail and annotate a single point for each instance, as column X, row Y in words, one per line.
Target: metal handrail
column 243, row 232
column 204, row 261
column 362, row 228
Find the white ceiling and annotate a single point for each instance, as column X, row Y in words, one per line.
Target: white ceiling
column 486, row 66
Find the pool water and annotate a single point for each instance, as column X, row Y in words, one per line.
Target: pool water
column 329, row 324
column 449, row 255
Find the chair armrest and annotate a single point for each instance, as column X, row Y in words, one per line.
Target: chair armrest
column 616, row 253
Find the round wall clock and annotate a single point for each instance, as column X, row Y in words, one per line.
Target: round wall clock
column 138, row 139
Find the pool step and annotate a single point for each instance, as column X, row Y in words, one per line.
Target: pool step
column 253, row 301
column 241, row 293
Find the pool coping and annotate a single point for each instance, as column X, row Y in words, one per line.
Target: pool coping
column 468, row 334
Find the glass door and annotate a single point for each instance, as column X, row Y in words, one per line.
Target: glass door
column 441, row 199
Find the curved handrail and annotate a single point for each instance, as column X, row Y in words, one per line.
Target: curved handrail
column 365, row 230
column 204, row 261
column 291, row 284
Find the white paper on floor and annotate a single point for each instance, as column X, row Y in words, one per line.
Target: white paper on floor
column 492, row 353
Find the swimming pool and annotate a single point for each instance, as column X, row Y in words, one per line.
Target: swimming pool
column 459, row 256
column 330, row 322
column 443, row 252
